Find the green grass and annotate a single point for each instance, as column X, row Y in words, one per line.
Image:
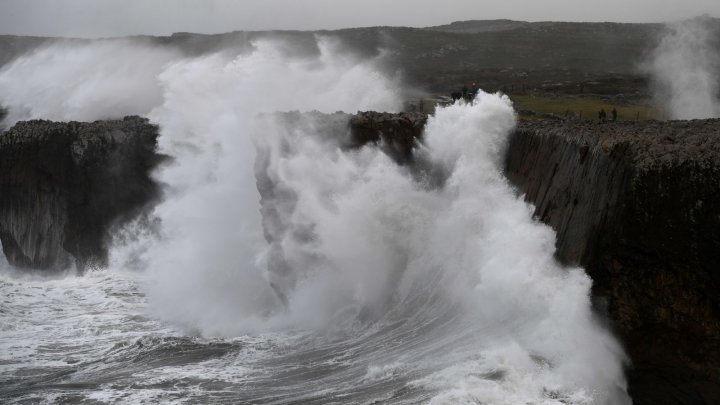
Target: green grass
column 588, row 107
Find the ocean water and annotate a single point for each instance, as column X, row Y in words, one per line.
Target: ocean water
column 380, row 283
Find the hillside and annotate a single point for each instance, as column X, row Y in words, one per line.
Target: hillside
column 434, row 58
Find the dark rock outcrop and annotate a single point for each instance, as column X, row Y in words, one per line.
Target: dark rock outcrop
column 63, row 185
column 398, row 132
column 637, row 205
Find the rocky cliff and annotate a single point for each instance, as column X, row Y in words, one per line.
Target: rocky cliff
column 637, row 205
column 63, row 185
column 397, row 132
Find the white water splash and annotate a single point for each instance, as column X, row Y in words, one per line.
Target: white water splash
column 209, row 260
column 685, row 69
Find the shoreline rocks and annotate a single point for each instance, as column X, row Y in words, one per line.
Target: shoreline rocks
column 63, row 185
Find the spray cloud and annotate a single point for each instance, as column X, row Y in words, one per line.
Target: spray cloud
column 84, row 81
column 685, row 69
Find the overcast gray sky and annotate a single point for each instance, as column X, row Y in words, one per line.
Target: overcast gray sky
column 93, row 18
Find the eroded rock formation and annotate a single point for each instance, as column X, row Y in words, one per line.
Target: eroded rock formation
column 637, row 205
column 63, row 185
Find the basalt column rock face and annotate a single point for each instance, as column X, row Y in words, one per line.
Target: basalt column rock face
column 63, row 185
column 638, row 205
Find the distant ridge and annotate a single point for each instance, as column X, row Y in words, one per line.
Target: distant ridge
column 477, row 26
column 494, row 53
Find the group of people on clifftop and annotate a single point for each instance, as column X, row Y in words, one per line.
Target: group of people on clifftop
column 467, row 94
column 602, row 115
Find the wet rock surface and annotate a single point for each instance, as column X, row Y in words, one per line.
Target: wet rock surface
column 397, row 132
column 64, row 185
column 636, row 205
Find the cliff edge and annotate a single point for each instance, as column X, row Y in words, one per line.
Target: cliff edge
column 63, row 185
column 636, row 205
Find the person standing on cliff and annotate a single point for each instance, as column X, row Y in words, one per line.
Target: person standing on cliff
column 602, row 115
column 614, row 114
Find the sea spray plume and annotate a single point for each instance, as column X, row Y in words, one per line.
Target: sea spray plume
column 278, row 200
column 84, row 81
column 379, row 249
column 525, row 305
column 209, row 261
column 340, row 223
column 685, row 69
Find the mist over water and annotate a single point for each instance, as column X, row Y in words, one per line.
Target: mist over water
column 378, row 284
column 685, row 69
column 83, row 81
column 211, row 220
